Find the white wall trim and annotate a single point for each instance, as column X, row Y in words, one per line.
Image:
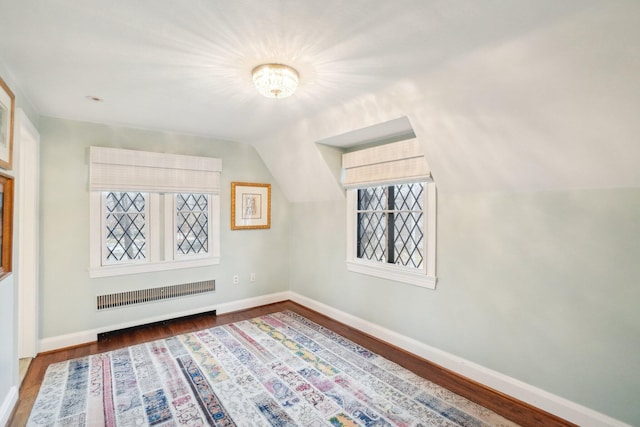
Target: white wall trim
column 26, row 229
column 244, row 304
column 91, row 335
column 534, row 396
column 67, row 340
column 8, row 404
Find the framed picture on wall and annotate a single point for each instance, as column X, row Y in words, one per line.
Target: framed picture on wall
column 250, row 205
column 6, row 224
column 7, row 107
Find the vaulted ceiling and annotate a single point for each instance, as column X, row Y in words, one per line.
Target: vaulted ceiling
column 504, row 94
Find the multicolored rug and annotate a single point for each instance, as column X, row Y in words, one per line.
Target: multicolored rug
column 275, row 370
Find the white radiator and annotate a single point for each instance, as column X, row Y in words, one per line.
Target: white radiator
column 140, row 296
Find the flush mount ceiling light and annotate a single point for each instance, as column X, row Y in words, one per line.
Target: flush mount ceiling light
column 275, row 80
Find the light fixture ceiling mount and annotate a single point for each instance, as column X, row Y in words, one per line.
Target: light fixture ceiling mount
column 275, row 80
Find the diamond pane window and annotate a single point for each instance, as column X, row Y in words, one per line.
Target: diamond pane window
column 391, row 224
column 192, row 224
column 125, row 226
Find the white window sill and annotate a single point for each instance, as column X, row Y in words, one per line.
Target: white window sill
column 120, row 270
column 395, row 274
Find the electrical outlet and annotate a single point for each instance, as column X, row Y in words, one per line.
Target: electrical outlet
column 236, row 279
column 253, row 277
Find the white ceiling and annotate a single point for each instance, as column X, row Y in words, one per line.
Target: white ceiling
column 185, row 66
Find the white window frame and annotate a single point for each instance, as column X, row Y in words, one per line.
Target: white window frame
column 213, row 224
column 160, row 239
column 161, row 175
column 424, row 277
column 150, row 205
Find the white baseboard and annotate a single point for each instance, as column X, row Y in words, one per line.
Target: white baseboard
column 527, row 393
column 91, row 335
column 67, row 340
column 244, row 304
column 8, row 404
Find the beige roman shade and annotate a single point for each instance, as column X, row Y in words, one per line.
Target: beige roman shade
column 115, row 169
column 397, row 162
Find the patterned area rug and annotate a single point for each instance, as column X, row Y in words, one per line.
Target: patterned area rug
column 275, row 370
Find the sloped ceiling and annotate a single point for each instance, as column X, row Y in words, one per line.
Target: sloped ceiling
column 503, row 94
column 554, row 108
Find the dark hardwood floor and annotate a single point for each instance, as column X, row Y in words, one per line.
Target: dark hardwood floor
column 504, row 405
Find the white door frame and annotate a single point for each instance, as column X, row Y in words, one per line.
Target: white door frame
column 27, row 192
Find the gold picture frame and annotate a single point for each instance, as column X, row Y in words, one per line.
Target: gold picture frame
column 6, row 225
column 7, row 113
column 250, row 206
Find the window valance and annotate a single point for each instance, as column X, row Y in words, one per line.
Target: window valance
column 115, row 169
column 397, row 162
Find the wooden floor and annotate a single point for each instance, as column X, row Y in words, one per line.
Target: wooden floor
column 506, row 406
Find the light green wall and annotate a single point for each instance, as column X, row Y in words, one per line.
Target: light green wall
column 67, row 294
column 540, row 286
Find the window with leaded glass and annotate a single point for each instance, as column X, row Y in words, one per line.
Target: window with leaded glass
column 391, row 232
column 151, row 211
column 390, row 225
column 125, row 226
column 192, row 224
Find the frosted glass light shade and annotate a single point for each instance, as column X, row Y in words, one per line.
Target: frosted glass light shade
column 275, row 80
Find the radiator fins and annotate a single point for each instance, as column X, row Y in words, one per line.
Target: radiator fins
column 140, row 296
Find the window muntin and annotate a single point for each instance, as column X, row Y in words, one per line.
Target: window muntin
column 390, row 225
column 158, row 176
column 191, row 224
column 418, row 235
column 200, row 239
column 125, row 227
